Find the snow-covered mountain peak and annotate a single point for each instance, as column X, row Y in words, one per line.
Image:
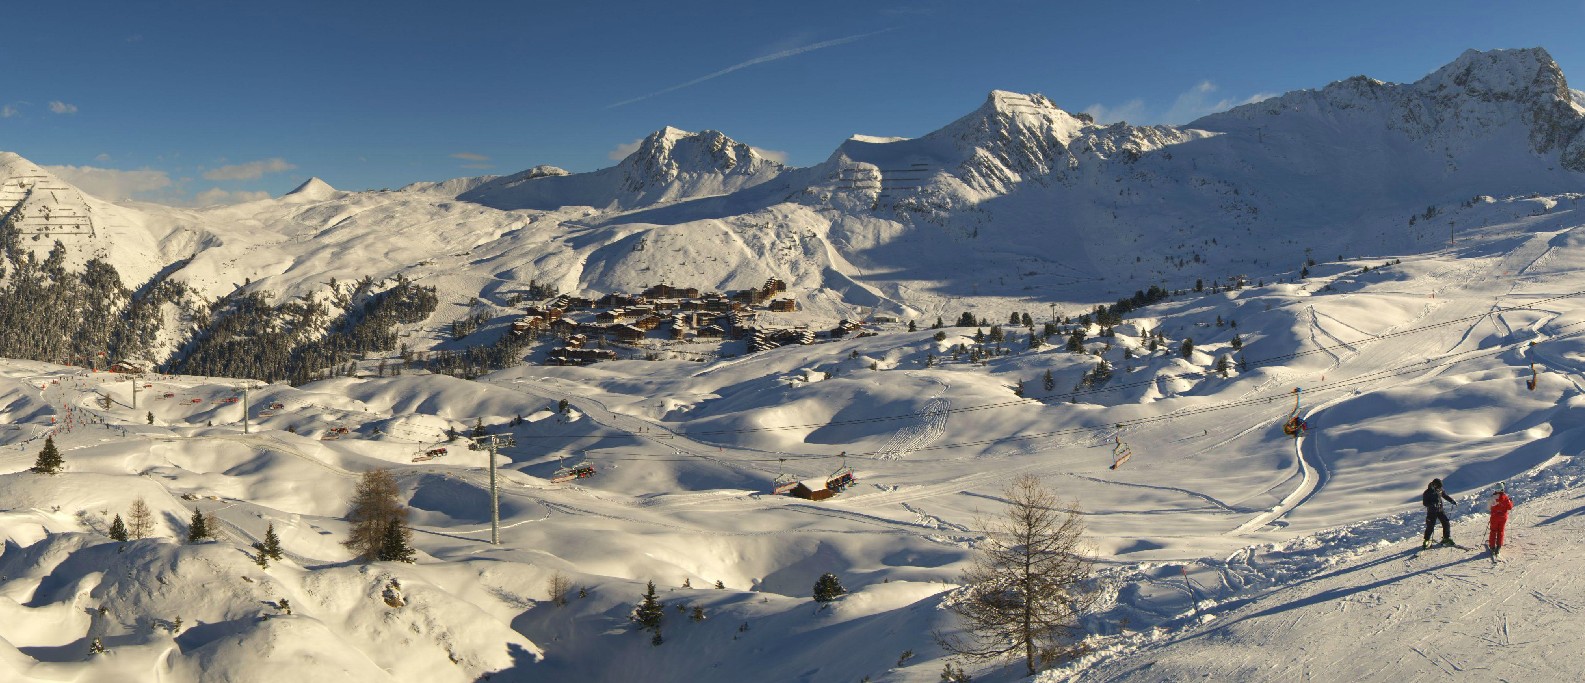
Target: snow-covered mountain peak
column 1519, row 74
column 1479, row 101
column 1011, row 136
column 546, row 171
column 313, row 189
column 670, row 152
column 669, row 165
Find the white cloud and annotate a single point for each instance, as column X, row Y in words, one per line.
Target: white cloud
column 9, row 111
column 775, row 56
column 113, row 184
column 103, row 157
column 253, row 170
column 773, row 155
column 60, row 107
column 1132, row 110
column 1189, row 105
column 621, row 151
column 1201, row 100
column 470, row 156
column 215, row 196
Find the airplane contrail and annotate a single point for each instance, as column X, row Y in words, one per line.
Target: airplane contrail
column 757, row 60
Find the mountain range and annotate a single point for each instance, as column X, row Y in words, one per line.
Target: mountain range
column 1018, row 200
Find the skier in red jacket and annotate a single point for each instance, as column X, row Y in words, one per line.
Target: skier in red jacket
column 1500, row 505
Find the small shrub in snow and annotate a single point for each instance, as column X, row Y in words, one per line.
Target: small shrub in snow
column 904, row 657
column 558, row 585
column 698, row 613
column 720, row 585
column 954, row 674
column 96, row 648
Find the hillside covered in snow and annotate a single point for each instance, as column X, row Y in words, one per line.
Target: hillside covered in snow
column 1397, row 264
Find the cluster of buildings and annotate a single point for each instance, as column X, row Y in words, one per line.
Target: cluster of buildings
column 681, row 314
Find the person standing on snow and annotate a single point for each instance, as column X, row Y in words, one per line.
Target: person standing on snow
column 1432, row 500
column 1500, row 505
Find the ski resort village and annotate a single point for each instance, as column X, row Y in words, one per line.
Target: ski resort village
column 1277, row 385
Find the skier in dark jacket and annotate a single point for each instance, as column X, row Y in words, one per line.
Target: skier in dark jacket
column 1432, row 500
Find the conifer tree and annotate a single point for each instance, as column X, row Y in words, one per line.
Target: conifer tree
column 1049, row 382
column 394, row 546
column 271, row 547
column 49, row 460
column 140, row 522
column 478, row 428
column 828, row 587
column 118, row 529
column 1025, row 592
column 1188, row 348
column 912, row 327
column 197, row 527
column 375, row 507
column 650, row 612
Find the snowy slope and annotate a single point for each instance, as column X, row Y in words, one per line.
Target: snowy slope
column 1394, row 612
column 1412, row 355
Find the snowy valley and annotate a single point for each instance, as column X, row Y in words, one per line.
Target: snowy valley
column 1023, row 291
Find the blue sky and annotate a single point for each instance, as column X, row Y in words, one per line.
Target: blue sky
column 191, row 102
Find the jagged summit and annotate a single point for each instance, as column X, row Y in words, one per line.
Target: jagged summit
column 670, row 153
column 1495, row 97
column 1517, row 74
column 669, row 165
